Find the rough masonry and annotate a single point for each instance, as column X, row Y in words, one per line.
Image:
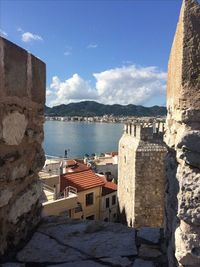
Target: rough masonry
column 183, row 140
column 141, row 175
column 22, row 98
column 62, row 242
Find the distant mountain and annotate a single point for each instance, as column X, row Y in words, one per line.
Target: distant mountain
column 92, row 108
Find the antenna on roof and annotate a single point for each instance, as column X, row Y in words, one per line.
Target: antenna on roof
column 66, row 152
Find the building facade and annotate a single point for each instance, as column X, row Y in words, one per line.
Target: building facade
column 109, row 207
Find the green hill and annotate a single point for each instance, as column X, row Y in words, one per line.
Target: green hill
column 92, row 108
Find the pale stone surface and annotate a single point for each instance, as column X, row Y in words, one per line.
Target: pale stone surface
column 42, row 248
column 77, row 240
column 183, row 140
column 14, row 126
column 142, row 263
column 24, row 202
column 62, row 242
column 189, row 194
column 149, row 234
column 187, row 244
column 5, row 196
column 18, row 171
column 116, row 239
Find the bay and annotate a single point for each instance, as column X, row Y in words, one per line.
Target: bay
column 80, row 138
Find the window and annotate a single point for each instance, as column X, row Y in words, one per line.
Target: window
column 91, row 217
column 89, row 199
column 114, row 200
column 107, row 202
column 78, row 208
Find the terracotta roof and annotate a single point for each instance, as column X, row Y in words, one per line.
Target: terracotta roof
column 76, row 167
column 81, row 180
column 109, row 187
column 71, row 162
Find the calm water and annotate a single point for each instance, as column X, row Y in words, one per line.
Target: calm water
column 80, row 137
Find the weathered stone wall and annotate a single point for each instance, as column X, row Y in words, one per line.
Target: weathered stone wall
column 22, row 98
column 183, row 140
column 141, row 177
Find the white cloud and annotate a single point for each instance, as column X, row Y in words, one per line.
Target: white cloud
column 3, row 33
column 48, row 92
column 28, row 36
column 125, row 85
column 73, row 89
column 93, row 45
column 130, row 84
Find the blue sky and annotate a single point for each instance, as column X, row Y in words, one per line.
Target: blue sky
column 108, row 51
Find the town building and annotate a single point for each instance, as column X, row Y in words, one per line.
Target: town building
column 109, row 203
column 73, row 189
column 105, row 164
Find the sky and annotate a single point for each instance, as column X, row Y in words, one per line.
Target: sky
column 109, row 51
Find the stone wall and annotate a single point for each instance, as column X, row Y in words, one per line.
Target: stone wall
column 141, row 177
column 183, row 140
column 22, row 98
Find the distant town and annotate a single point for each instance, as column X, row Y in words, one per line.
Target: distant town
column 106, row 119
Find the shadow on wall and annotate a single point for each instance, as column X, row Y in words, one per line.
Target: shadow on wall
column 171, row 192
column 122, row 218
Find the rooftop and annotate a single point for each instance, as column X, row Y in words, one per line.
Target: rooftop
column 81, row 180
column 74, row 166
column 108, row 188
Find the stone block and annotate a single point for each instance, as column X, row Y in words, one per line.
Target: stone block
column 38, row 82
column 117, row 261
column 23, row 203
column 74, row 240
column 142, row 263
column 14, row 76
column 14, row 126
column 5, row 196
column 146, row 251
column 149, row 234
column 187, row 245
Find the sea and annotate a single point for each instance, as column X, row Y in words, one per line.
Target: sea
column 75, row 139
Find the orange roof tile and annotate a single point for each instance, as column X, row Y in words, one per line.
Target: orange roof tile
column 81, row 180
column 71, row 162
column 109, row 187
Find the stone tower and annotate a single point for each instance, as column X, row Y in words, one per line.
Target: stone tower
column 183, row 140
column 141, row 175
